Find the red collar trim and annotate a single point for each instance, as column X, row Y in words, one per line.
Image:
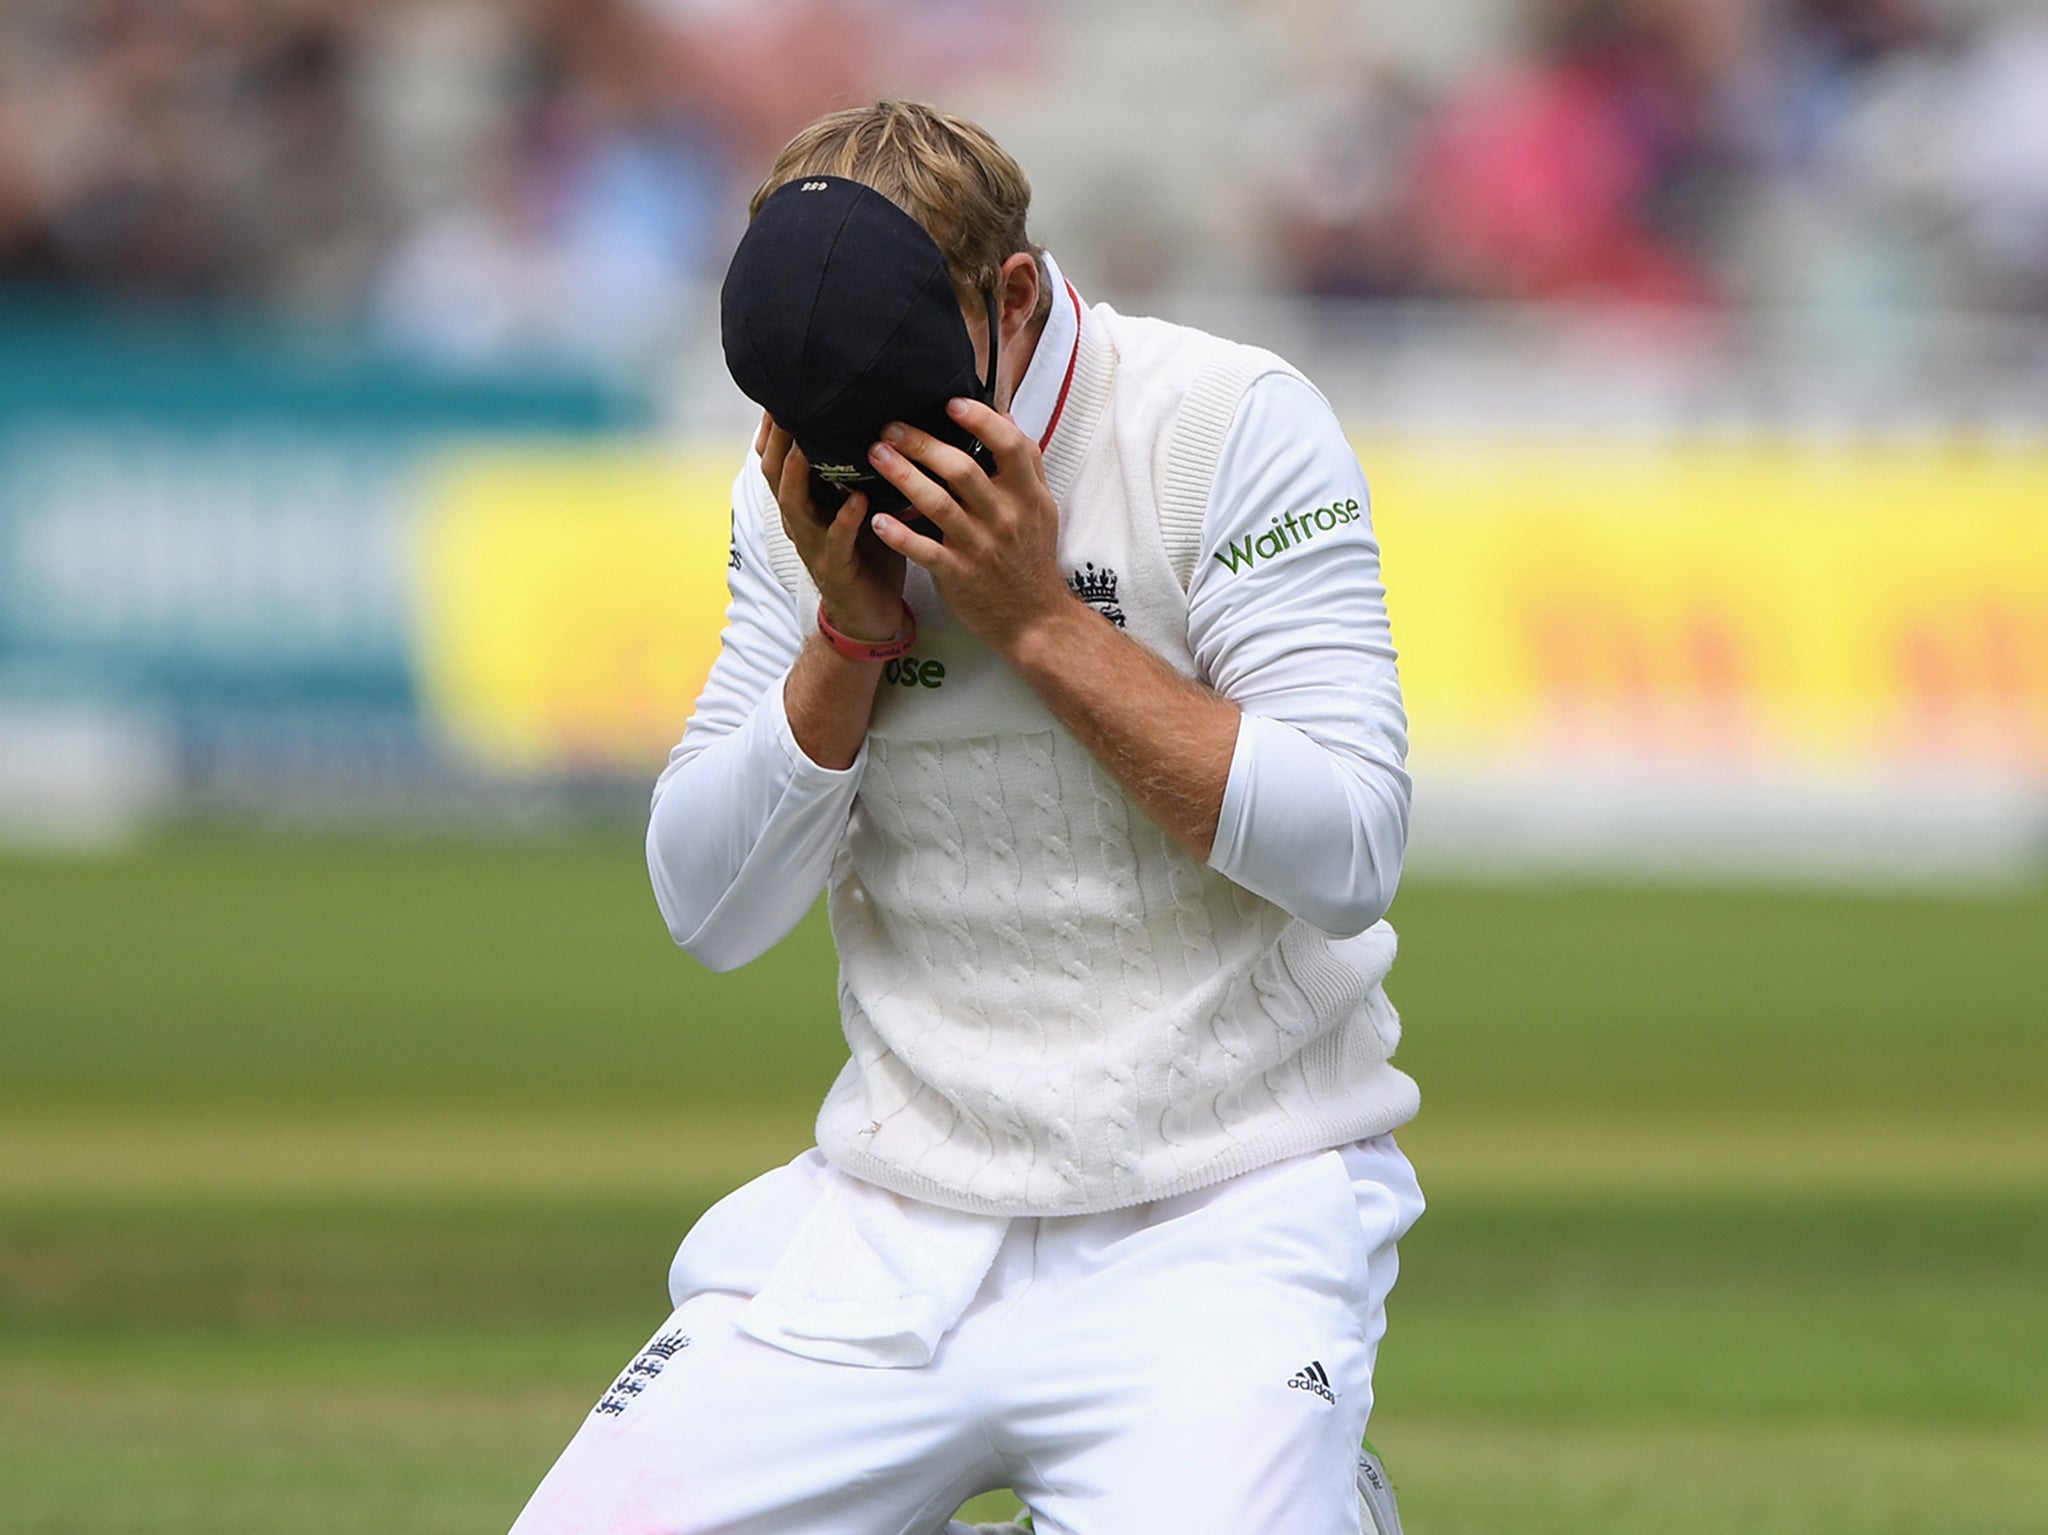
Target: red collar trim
column 1066, row 383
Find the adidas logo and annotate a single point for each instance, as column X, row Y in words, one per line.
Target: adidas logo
column 1316, row 1379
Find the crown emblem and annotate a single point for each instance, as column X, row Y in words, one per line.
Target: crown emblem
column 1097, row 588
column 668, row 1344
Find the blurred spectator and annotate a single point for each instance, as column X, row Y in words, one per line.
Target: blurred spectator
column 764, row 68
column 184, row 150
column 588, row 221
column 1347, row 225
column 2001, row 161
column 1572, row 173
column 485, row 179
column 554, row 179
column 1693, row 152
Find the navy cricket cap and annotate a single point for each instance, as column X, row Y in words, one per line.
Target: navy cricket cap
column 839, row 316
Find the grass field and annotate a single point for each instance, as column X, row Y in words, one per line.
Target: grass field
column 335, row 1180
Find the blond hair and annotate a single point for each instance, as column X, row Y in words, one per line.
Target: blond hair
column 944, row 171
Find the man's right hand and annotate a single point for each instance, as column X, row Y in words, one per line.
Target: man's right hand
column 859, row 578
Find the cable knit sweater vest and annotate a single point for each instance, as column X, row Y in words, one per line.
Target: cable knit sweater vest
column 1053, row 1009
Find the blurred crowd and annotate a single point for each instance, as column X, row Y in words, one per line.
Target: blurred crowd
column 1792, row 153
column 475, row 178
column 481, row 178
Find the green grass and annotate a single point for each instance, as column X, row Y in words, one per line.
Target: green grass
column 335, row 1180
column 438, row 974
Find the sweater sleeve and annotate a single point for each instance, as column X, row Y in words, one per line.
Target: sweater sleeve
column 745, row 826
column 1287, row 619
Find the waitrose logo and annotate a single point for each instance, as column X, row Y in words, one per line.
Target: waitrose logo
column 1288, row 532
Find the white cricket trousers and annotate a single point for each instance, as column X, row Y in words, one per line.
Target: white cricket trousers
column 1198, row 1366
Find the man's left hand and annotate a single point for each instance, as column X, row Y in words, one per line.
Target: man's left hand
column 999, row 566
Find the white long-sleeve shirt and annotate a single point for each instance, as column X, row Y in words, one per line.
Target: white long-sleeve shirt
column 1294, row 632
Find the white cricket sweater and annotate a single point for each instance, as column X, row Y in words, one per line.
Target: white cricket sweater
column 1051, row 1008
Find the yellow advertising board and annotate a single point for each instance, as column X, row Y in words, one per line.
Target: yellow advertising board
column 570, row 600
column 1754, row 603
column 1742, row 602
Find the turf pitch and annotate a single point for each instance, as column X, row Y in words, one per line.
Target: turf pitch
column 335, row 1180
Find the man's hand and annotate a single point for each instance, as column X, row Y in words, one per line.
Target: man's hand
column 828, row 697
column 859, row 579
column 999, row 566
column 1167, row 740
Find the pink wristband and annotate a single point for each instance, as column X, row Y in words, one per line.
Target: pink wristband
column 863, row 650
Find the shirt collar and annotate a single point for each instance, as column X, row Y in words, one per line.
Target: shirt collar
column 1042, row 389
